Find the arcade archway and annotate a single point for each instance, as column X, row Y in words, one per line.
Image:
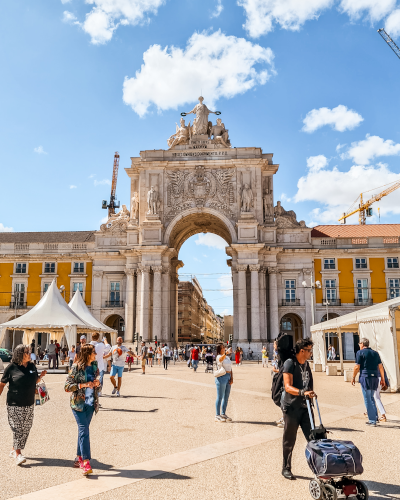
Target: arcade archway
column 292, row 324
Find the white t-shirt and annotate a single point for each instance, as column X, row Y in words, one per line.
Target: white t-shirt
column 99, row 348
column 226, row 363
column 116, row 359
column 71, row 355
column 107, row 349
column 165, row 351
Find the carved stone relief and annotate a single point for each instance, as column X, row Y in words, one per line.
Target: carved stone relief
column 117, row 223
column 286, row 218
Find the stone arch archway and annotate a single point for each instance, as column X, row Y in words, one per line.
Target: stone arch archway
column 292, row 324
column 116, row 322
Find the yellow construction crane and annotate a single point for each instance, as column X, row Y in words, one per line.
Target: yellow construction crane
column 364, row 208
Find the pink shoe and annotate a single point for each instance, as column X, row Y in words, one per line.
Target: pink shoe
column 78, row 462
column 87, row 469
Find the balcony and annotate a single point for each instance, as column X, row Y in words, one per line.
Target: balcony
column 332, row 302
column 290, row 302
column 18, row 305
column 114, row 303
column 363, row 302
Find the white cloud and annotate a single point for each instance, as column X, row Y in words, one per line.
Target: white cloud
column 72, row 186
column 65, row 1
column 317, row 163
column 69, row 17
column 371, row 147
column 39, row 150
column 335, row 191
column 218, row 9
column 91, row 176
column 262, row 15
column 220, row 65
column 339, row 147
column 104, row 181
column 211, row 240
column 339, row 118
column 284, row 198
column 196, row 259
column 104, row 220
column 4, row 229
column 392, row 24
column 225, row 282
column 226, row 312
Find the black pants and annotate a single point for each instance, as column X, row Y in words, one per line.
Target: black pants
column 166, row 359
column 293, row 419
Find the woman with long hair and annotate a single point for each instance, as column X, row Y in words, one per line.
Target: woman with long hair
column 223, row 383
column 22, row 376
column 237, row 356
column 82, row 382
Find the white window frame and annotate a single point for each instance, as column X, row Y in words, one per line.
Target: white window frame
column 392, row 267
column 361, row 268
column 80, row 263
column 364, row 289
column 329, row 268
column 330, row 290
column 26, row 268
column 291, row 296
column 392, row 286
column 49, row 262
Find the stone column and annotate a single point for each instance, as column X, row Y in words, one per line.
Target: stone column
column 308, row 302
column 129, row 304
column 235, row 283
column 263, row 305
column 138, row 299
column 165, row 301
column 145, row 304
column 173, row 334
column 273, row 302
column 255, row 304
column 242, row 302
column 96, row 293
column 157, row 307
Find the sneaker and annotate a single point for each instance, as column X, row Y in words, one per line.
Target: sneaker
column 78, row 462
column 227, row 419
column 372, row 424
column 13, row 454
column 86, row 468
column 118, row 394
column 143, row 373
column 114, row 390
column 218, row 418
column 20, row 459
column 280, row 421
column 99, row 394
column 281, row 425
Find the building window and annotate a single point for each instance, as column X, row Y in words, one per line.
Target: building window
column 329, row 263
column 362, row 290
column 77, row 286
column 49, row 267
column 290, row 290
column 20, row 268
column 393, row 263
column 180, row 315
column 361, row 263
column 79, row 267
column 394, row 288
column 19, row 294
column 45, row 287
column 114, row 292
column 330, row 288
column 286, row 324
column 179, row 331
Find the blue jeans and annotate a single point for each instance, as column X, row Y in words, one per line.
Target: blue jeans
column 83, row 419
column 369, row 401
column 223, row 391
column 195, row 364
column 102, row 372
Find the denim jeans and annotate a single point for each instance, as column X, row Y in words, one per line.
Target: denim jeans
column 101, row 377
column 370, row 404
column 83, row 419
column 195, row 364
column 223, row 391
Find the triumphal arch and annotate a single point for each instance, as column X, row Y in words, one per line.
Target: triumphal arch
column 200, row 184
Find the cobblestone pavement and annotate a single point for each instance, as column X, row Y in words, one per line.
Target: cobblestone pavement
column 159, row 440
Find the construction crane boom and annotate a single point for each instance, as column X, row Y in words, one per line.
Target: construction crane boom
column 364, row 207
column 390, row 42
column 113, row 203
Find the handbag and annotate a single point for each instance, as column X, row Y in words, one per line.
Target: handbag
column 41, row 394
column 220, row 372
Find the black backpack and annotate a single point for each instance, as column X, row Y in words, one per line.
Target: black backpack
column 284, row 353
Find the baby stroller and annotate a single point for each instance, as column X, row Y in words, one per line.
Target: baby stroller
column 334, row 463
column 210, row 362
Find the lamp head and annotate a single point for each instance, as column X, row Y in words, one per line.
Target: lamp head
column 304, row 283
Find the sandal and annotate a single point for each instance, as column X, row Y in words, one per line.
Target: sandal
column 383, row 418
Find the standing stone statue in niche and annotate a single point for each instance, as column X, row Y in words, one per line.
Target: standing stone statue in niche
column 268, row 206
column 152, row 201
column 134, row 206
column 200, row 123
column 220, row 134
column 247, row 198
column 181, row 136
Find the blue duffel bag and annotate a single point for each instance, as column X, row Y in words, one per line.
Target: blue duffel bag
column 329, row 458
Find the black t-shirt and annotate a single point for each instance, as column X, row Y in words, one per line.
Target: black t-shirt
column 302, row 379
column 22, row 384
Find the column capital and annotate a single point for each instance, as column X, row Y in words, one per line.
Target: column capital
column 307, row 271
column 157, row 269
column 273, row 270
column 254, row 267
column 166, row 269
column 241, row 267
column 98, row 274
column 144, row 269
column 130, row 272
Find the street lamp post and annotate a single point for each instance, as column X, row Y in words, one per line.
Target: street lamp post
column 327, row 303
column 312, row 287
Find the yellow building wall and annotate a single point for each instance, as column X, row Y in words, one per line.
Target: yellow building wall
column 318, row 277
column 6, row 270
column 346, row 283
column 34, row 283
column 378, row 282
column 63, row 270
column 88, row 292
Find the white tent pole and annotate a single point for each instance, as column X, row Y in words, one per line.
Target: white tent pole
column 339, row 331
column 395, row 349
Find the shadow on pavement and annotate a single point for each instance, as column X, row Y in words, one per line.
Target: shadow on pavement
column 273, row 424
column 344, row 429
column 129, row 411
column 58, row 462
column 377, row 491
column 139, row 474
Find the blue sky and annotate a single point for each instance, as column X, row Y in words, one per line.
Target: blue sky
column 308, row 80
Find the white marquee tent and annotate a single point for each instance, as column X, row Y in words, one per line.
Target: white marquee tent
column 379, row 323
column 51, row 314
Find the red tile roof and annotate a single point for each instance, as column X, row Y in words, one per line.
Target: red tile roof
column 47, row 237
column 355, row 231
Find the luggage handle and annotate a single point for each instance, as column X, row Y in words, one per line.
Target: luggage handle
column 308, row 401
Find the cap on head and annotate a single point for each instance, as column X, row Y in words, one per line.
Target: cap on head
column 83, row 337
column 364, row 342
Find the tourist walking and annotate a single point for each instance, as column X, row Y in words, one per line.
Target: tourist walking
column 71, row 356
column 237, row 356
column 51, row 354
column 118, row 355
column 165, row 355
column 223, row 383
column 241, row 355
column 82, row 382
column 143, row 357
column 264, row 354
column 195, row 358
column 331, row 353
column 150, row 356
column 377, row 397
column 107, row 349
column 82, row 341
column 58, row 347
column 297, row 385
column 369, row 365
column 101, row 362
column 21, row 376
column 159, row 355
column 32, row 351
column 180, row 353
